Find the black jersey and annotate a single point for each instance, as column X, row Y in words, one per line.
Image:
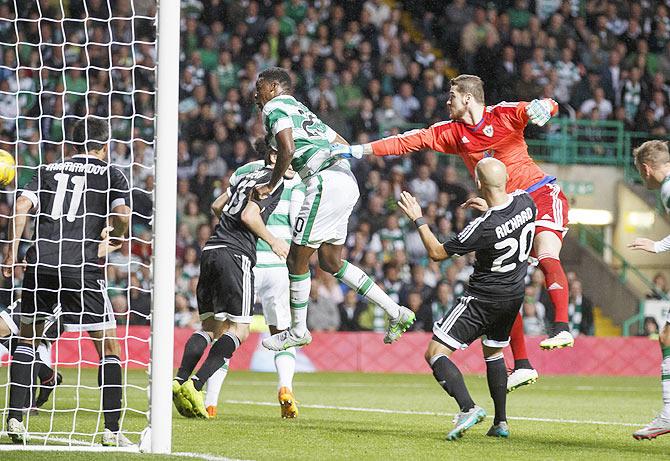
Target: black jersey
column 502, row 239
column 73, row 199
column 231, row 231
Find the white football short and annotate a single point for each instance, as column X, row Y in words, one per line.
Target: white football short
column 329, row 200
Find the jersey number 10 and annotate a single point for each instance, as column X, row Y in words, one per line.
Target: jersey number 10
column 59, row 199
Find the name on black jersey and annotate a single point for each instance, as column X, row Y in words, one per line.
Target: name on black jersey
column 76, row 167
column 515, row 222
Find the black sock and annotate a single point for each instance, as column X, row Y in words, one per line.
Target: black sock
column 221, row 351
column 46, row 374
column 561, row 326
column 450, row 378
column 20, row 376
column 195, row 347
column 496, row 376
column 522, row 363
column 109, row 379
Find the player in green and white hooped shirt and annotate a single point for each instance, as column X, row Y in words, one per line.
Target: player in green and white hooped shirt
column 271, row 284
column 303, row 141
column 652, row 160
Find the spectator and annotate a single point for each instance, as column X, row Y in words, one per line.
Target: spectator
column 350, row 310
column 405, row 103
column 442, row 301
column 660, row 290
column 324, row 314
column 348, row 95
column 526, row 87
column 650, row 328
column 193, row 217
column 423, row 187
column 533, row 325
column 415, row 301
column 475, row 34
column 580, row 311
column 599, row 102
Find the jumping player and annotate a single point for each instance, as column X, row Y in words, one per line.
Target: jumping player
column 477, row 131
column 652, row 160
column 303, row 141
column 271, row 284
column 501, row 239
column 74, row 200
column 226, row 286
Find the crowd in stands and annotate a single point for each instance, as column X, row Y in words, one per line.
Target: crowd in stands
column 367, row 70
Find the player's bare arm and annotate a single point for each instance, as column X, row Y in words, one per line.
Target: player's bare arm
column 16, row 227
column 120, row 220
column 412, row 209
column 285, row 151
column 219, row 203
column 476, row 203
column 651, row 246
column 251, row 217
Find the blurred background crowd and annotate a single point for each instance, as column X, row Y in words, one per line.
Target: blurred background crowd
column 366, row 69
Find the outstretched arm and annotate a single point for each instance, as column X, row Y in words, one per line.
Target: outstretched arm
column 285, row 151
column 412, row 209
column 650, row 246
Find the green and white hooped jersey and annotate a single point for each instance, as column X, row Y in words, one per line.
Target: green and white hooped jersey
column 281, row 221
column 665, row 193
column 311, row 136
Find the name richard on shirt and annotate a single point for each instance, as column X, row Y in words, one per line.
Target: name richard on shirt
column 514, row 223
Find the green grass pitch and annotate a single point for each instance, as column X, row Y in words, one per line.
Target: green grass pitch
column 389, row 416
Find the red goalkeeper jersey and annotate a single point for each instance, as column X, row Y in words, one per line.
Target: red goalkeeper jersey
column 499, row 134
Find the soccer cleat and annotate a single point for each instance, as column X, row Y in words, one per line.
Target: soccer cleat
column 499, row 430
column 558, row 341
column 465, row 420
column 285, row 339
column 658, row 426
column 195, row 398
column 115, row 439
column 211, row 411
column 17, row 431
column 399, row 325
column 288, row 403
column 521, row 377
column 183, row 406
column 46, row 388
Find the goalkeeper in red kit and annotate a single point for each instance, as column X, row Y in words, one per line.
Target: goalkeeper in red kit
column 476, row 131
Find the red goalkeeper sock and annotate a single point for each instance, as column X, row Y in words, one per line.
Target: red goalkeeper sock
column 557, row 287
column 518, row 344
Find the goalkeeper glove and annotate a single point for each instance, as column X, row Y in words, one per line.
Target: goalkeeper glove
column 340, row 150
column 539, row 111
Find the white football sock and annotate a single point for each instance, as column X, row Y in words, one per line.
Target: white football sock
column 285, row 363
column 665, row 381
column 214, row 384
column 300, row 286
column 44, row 353
column 358, row 280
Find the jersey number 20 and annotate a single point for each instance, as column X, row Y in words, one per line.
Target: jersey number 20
column 507, row 262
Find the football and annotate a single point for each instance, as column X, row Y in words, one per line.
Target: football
column 7, row 170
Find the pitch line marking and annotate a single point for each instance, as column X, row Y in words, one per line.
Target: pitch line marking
column 434, row 413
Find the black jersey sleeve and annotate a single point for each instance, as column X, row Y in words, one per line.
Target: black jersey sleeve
column 470, row 239
column 119, row 190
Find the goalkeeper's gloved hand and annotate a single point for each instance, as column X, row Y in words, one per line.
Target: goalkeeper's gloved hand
column 343, row 151
column 539, row 111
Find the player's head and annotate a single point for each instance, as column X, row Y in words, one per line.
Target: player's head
column 270, row 157
column 272, row 82
column 466, row 91
column 491, row 175
column 91, row 136
column 652, row 160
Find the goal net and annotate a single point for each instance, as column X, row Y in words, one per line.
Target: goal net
column 61, row 61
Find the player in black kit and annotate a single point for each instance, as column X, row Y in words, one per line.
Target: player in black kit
column 501, row 239
column 73, row 201
column 226, row 286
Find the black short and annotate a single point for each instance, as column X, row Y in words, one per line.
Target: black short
column 79, row 305
column 471, row 318
column 11, row 315
column 226, row 285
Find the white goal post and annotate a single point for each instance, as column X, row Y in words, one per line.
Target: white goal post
column 157, row 436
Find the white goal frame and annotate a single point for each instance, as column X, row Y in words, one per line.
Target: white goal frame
column 157, row 438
